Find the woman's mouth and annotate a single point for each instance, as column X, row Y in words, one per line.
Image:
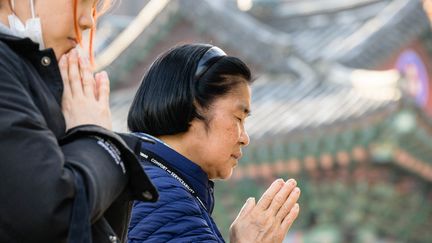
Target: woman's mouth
column 237, row 156
column 73, row 41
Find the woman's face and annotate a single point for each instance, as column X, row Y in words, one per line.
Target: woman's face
column 57, row 20
column 217, row 149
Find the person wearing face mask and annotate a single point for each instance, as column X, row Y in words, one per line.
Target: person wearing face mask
column 65, row 176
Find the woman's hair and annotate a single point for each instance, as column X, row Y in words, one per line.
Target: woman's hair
column 100, row 8
column 172, row 93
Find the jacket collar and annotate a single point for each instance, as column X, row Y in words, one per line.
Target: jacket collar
column 23, row 46
column 189, row 170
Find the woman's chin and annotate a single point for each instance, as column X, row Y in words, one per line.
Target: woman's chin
column 227, row 175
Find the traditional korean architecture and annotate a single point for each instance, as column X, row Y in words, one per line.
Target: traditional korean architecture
column 341, row 103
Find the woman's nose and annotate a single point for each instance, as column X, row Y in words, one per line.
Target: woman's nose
column 86, row 21
column 244, row 138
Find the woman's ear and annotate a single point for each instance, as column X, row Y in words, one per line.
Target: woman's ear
column 194, row 125
column 197, row 128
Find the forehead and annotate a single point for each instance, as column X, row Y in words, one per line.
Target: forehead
column 238, row 98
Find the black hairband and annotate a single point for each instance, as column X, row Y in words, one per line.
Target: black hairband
column 204, row 63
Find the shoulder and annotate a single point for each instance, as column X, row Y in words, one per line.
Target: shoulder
column 174, row 199
column 12, row 66
column 176, row 211
column 4, row 48
column 8, row 55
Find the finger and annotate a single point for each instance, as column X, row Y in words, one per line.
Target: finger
column 289, row 204
column 282, row 196
column 64, row 74
column 74, row 74
column 269, row 194
column 104, row 88
column 97, row 86
column 290, row 218
column 247, row 207
column 88, row 81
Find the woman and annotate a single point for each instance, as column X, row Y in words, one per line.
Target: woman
column 191, row 117
column 65, row 175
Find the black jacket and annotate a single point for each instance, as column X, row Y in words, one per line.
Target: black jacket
column 40, row 163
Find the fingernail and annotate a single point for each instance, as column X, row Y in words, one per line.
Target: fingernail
column 72, row 55
column 251, row 199
column 101, row 75
column 296, row 190
column 75, row 53
column 84, row 61
column 296, row 206
column 278, row 182
column 104, row 74
column 291, row 182
column 79, row 51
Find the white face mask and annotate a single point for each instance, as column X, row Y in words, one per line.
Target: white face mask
column 32, row 28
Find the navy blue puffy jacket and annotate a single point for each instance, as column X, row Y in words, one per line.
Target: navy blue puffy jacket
column 177, row 216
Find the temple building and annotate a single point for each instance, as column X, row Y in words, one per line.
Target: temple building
column 342, row 103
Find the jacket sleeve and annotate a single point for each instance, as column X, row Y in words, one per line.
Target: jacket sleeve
column 175, row 217
column 37, row 189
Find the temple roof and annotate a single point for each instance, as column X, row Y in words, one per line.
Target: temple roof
column 283, row 106
column 361, row 33
column 311, row 99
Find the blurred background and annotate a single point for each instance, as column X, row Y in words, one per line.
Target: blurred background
column 342, row 103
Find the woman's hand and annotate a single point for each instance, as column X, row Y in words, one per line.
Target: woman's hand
column 85, row 97
column 270, row 219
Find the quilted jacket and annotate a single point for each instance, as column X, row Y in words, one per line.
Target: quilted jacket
column 177, row 216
